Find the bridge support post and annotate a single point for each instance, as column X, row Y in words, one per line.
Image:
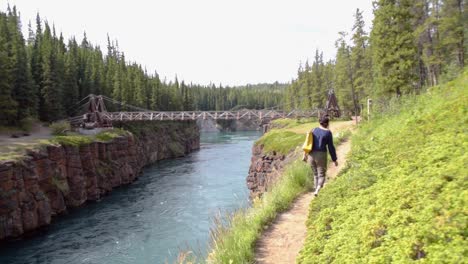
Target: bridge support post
column 94, row 118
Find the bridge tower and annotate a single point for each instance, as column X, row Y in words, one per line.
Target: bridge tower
column 332, row 109
column 93, row 118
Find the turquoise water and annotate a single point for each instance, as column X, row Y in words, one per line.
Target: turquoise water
column 168, row 209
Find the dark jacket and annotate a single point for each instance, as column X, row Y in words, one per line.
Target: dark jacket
column 322, row 139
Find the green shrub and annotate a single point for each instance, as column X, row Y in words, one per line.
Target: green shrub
column 111, row 134
column 233, row 238
column 289, row 122
column 403, row 196
column 60, row 128
column 26, row 124
column 77, row 140
column 280, row 141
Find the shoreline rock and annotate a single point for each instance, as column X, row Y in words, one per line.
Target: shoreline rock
column 265, row 169
column 48, row 181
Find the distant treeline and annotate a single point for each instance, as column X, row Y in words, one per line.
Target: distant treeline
column 413, row 44
column 45, row 77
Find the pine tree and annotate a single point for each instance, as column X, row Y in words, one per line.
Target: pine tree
column 318, row 90
column 343, row 88
column 452, row 31
column 393, row 48
column 7, row 104
column 51, row 108
column 71, row 91
column 360, row 59
column 23, row 89
column 426, row 24
column 156, row 92
column 36, row 60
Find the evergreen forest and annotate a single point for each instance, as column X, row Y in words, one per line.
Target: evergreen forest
column 412, row 45
column 45, row 76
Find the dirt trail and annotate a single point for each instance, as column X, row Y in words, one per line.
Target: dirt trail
column 11, row 145
column 283, row 240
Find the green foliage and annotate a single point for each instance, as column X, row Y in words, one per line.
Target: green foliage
column 47, row 78
column 289, row 123
column 60, row 128
column 393, row 48
column 111, row 134
column 233, row 239
column 280, row 141
column 75, row 140
column 8, row 107
column 26, row 124
column 403, row 195
column 287, row 134
column 412, row 45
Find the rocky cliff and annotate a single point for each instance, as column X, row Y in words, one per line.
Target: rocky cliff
column 210, row 125
column 265, row 169
column 48, row 181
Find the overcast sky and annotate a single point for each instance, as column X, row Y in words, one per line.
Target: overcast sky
column 230, row 42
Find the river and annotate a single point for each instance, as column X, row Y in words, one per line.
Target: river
column 168, row 209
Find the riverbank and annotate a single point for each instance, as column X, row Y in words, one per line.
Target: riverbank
column 233, row 239
column 68, row 171
column 284, row 238
column 404, row 196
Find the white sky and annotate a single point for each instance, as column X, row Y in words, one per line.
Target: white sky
column 230, row 42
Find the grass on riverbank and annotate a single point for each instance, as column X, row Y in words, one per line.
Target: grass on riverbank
column 404, row 195
column 233, row 239
column 18, row 150
column 291, row 133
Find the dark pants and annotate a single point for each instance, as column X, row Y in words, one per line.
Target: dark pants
column 318, row 162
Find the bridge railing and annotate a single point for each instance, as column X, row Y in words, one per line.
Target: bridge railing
column 214, row 115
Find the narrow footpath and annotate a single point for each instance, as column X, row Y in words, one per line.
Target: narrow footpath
column 284, row 238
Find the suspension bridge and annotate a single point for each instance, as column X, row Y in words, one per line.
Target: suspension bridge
column 96, row 114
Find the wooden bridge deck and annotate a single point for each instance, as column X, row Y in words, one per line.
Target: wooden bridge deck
column 98, row 116
column 214, row 115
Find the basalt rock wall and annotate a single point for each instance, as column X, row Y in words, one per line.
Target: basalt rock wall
column 210, row 125
column 50, row 180
column 265, row 169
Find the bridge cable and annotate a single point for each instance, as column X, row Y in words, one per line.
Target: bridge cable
column 77, row 105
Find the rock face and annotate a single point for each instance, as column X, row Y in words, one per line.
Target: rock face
column 49, row 181
column 265, row 169
column 210, row 125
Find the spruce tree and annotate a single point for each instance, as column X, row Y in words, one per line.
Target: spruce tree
column 23, row 89
column 452, row 31
column 343, row 89
column 71, row 92
column 360, row 60
column 51, row 108
column 393, row 47
column 8, row 106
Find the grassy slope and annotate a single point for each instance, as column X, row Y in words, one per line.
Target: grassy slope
column 233, row 239
column 292, row 133
column 404, row 194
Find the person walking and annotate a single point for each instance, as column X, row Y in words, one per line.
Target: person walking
column 315, row 152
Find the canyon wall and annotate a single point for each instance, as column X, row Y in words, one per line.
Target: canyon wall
column 48, row 181
column 265, row 169
column 210, row 125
